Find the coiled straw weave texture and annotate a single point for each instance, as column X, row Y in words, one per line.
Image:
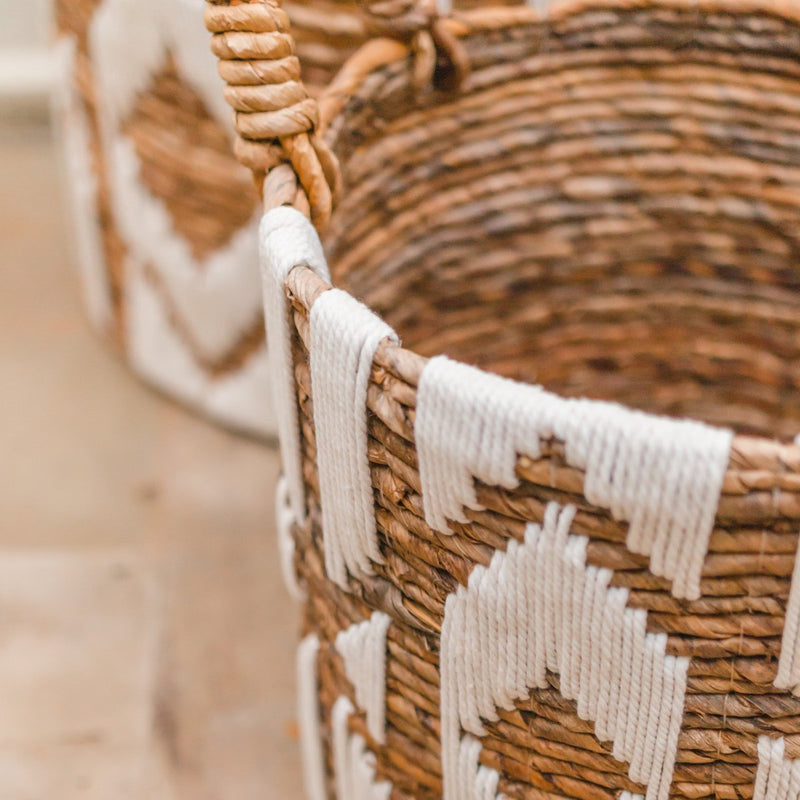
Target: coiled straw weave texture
column 584, row 600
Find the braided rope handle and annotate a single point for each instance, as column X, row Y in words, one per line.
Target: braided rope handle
column 275, row 118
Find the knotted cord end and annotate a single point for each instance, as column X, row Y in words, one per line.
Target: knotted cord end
column 419, row 24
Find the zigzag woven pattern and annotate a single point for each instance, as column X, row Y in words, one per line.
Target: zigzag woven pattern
column 538, row 608
column 663, row 476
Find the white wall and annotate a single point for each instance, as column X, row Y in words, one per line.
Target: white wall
column 26, row 69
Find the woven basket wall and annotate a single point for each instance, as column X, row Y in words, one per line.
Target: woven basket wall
column 509, row 592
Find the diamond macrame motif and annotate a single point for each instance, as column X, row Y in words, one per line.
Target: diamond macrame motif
column 187, row 163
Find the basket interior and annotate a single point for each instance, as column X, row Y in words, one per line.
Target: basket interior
column 609, row 207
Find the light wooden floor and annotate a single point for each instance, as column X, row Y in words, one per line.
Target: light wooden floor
column 146, row 641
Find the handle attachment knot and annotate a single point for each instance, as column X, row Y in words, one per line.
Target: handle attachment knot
column 274, row 116
column 419, row 23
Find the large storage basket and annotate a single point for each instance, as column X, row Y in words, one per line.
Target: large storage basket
column 166, row 218
column 510, row 591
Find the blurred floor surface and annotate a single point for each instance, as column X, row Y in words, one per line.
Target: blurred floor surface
column 146, row 641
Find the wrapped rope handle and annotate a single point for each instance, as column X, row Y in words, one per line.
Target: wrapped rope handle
column 275, row 118
column 277, row 122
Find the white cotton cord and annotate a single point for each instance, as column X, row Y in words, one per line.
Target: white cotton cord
column 662, row 476
column 452, row 658
column 286, row 239
column 363, row 765
column 629, row 796
column 788, row 676
column 670, row 728
column 340, row 740
column 486, row 783
column 539, row 607
column 284, row 523
column 472, row 780
column 353, row 764
column 777, row 777
column 611, row 644
column 469, row 424
column 344, row 337
column 311, row 749
column 363, row 650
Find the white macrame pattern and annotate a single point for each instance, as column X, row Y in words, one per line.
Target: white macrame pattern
column 788, row 676
column 286, row 239
column 129, row 42
column 777, row 778
column 284, row 522
column 663, row 476
column 81, row 182
column 344, row 337
column 216, row 298
column 475, row 781
column 239, row 399
column 538, row 607
column 362, row 647
column 311, row 749
column 354, row 765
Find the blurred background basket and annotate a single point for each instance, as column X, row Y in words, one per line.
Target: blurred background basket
column 511, row 592
column 164, row 215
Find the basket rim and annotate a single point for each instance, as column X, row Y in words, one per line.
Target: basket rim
column 755, row 462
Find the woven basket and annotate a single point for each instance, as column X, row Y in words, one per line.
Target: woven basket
column 510, row 591
column 166, row 219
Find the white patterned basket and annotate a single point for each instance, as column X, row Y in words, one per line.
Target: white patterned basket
column 165, row 217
